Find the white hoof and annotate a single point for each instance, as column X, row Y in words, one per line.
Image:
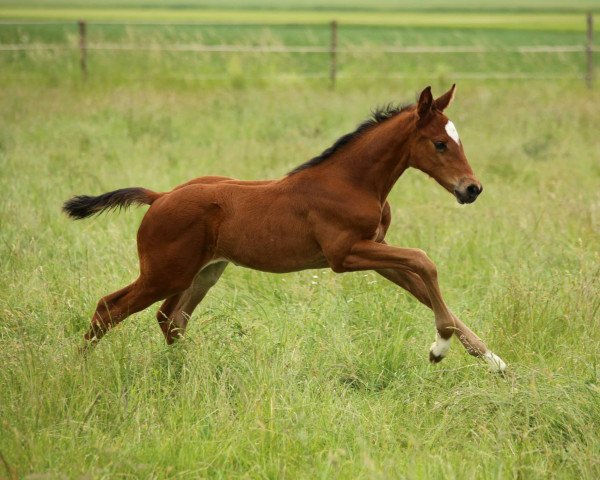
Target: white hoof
column 496, row 364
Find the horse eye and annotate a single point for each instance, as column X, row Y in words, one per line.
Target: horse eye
column 440, row 146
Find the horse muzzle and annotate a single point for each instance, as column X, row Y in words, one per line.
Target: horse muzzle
column 468, row 193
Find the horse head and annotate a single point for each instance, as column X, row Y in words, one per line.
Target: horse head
column 437, row 150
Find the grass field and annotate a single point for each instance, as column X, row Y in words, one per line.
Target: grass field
column 311, row 374
column 520, row 20
column 339, row 5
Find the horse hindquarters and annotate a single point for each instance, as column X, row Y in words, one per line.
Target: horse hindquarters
column 175, row 240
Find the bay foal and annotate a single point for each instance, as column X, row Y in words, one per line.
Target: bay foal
column 330, row 212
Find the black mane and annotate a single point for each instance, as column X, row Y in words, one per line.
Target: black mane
column 379, row 115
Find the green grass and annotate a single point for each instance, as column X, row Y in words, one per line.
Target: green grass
column 374, row 5
column 520, row 20
column 306, row 375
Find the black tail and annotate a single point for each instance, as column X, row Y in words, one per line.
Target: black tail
column 83, row 206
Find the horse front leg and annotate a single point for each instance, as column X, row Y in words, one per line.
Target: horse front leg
column 413, row 270
column 473, row 344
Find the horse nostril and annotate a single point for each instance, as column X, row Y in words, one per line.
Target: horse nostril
column 473, row 190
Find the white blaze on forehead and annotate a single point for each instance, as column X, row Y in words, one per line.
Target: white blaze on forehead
column 451, row 131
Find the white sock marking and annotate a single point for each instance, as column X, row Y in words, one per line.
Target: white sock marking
column 452, row 132
column 441, row 346
column 494, row 361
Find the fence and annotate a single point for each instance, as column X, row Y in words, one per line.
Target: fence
column 333, row 50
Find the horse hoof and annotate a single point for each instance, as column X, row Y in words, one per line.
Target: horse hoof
column 495, row 363
column 433, row 358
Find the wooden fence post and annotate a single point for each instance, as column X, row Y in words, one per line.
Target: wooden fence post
column 333, row 53
column 589, row 77
column 82, row 49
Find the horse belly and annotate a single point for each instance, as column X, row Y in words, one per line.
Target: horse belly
column 276, row 245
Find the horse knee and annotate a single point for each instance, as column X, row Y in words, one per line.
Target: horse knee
column 425, row 266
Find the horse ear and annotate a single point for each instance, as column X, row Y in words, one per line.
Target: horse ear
column 445, row 100
column 424, row 105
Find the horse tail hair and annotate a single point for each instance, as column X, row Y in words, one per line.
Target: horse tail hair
column 83, row 206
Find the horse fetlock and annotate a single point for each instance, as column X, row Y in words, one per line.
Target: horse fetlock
column 439, row 349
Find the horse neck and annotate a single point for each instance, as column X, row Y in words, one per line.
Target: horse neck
column 375, row 160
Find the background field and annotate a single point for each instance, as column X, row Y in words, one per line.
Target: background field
column 312, row 374
column 127, row 43
column 339, row 5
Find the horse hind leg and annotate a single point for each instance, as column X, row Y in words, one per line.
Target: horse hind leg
column 146, row 290
column 116, row 307
column 174, row 314
column 164, row 313
column 167, row 246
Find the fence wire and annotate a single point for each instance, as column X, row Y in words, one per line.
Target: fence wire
column 149, row 48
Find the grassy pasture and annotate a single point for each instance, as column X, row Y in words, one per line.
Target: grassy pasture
column 519, row 20
column 308, row 374
column 311, row 374
column 338, row 5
